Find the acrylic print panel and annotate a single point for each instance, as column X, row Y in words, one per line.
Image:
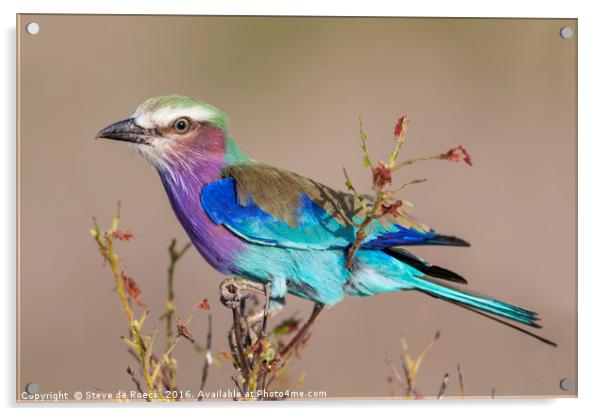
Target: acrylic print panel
column 289, row 92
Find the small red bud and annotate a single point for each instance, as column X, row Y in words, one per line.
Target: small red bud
column 381, row 175
column 458, row 154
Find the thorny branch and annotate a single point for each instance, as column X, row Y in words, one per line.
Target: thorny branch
column 174, row 256
column 151, row 368
column 126, row 289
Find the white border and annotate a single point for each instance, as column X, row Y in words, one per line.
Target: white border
column 590, row 195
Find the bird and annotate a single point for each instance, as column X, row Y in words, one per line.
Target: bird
column 263, row 224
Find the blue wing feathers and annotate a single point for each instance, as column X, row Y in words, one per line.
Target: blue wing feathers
column 399, row 236
column 402, row 236
column 316, row 230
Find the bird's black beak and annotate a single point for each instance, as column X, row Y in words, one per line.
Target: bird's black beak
column 125, row 131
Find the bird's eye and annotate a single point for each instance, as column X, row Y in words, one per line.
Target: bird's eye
column 181, row 125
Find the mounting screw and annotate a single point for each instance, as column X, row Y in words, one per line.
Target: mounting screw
column 32, row 28
column 566, row 32
column 566, row 384
column 32, row 388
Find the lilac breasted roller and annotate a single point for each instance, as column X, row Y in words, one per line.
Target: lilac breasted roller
column 265, row 224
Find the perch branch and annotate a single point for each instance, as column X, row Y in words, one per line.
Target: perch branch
column 257, row 361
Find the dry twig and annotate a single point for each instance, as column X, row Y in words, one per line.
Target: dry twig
column 384, row 200
column 140, row 345
column 444, row 384
column 460, row 380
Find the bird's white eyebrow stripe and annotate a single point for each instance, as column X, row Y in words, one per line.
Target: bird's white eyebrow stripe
column 164, row 116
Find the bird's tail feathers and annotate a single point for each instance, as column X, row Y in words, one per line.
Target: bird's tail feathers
column 475, row 300
column 483, row 305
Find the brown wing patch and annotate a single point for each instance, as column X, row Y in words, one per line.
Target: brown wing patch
column 278, row 192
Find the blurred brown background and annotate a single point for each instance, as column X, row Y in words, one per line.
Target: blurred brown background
column 293, row 88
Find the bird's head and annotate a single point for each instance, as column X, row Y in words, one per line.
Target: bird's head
column 172, row 130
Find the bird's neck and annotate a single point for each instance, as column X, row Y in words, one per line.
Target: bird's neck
column 233, row 154
column 184, row 180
